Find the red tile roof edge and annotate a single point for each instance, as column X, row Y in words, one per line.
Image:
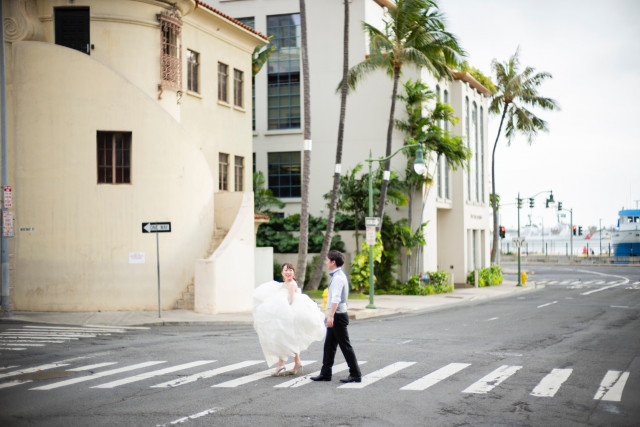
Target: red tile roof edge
column 235, row 21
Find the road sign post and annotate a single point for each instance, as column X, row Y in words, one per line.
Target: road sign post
column 157, row 227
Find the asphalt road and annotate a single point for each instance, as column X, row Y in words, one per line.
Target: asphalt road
column 566, row 355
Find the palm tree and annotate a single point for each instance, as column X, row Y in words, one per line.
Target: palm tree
column 414, row 34
column 333, row 204
column 306, row 164
column 263, row 198
column 515, row 90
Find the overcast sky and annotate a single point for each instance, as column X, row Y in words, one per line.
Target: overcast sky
column 591, row 156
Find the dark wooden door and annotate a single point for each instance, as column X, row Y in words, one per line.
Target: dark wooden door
column 72, row 28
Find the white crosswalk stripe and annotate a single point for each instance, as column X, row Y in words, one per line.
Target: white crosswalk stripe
column 492, row 380
column 436, row 376
column 300, row 381
column 379, row 374
column 257, row 376
column 146, row 375
column 207, row 374
column 550, row 384
column 30, row 336
column 97, row 375
column 611, row 386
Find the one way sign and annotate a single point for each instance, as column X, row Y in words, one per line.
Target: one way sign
column 156, row 227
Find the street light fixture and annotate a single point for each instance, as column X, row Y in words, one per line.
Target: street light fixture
column 420, row 168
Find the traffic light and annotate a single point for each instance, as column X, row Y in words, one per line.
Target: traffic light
column 519, row 202
column 574, row 230
column 531, row 202
column 502, row 232
column 559, row 206
column 580, row 231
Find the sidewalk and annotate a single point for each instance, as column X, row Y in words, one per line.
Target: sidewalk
column 385, row 305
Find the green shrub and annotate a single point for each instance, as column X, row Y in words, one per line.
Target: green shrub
column 278, row 234
column 437, row 283
column 489, row 276
column 359, row 273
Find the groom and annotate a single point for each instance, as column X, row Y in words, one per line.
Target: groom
column 337, row 319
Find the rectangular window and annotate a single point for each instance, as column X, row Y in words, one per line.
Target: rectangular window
column 284, row 173
column 251, row 22
column 223, row 170
column 193, row 71
column 170, row 58
column 238, row 83
column 283, row 69
column 467, row 120
column 114, row 157
column 447, row 170
column 223, row 81
column 239, row 173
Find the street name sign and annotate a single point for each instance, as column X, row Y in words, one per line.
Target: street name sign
column 372, row 221
column 156, row 227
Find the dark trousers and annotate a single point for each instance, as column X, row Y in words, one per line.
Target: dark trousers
column 339, row 336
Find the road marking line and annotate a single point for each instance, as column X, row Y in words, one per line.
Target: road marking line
column 98, row 375
column 550, row 384
column 89, row 367
column 51, row 334
column 547, row 304
column 490, row 381
column 10, row 340
column 15, row 348
column 612, row 386
column 493, row 318
column 406, row 342
column 256, row 376
column 206, row 374
column 2, row 368
column 26, row 344
column 137, row 328
column 69, row 328
column 299, row 382
column 436, row 376
column 191, row 417
column 379, row 374
column 14, row 383
column 34, row 369
column 619, row 306
column 146, row 375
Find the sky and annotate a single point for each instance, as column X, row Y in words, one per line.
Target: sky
column 590, row 158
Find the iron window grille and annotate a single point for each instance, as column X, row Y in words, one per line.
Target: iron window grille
column 170, row 51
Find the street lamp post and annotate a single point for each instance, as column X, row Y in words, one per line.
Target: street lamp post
column 420, row 168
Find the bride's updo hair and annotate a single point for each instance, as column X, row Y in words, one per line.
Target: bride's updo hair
column 289, row 265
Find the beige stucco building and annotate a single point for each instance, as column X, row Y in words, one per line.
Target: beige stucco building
column 120, row 113
column 456, row 206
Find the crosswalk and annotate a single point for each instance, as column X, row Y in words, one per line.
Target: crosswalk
column 579, row 284
column 31, row 336
column 610, row 388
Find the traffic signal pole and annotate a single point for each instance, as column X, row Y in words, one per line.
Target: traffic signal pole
column 519, row 267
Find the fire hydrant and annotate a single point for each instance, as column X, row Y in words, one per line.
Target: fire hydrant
column 325, row 294
column 523, row 276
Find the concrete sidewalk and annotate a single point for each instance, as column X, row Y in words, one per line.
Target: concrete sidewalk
column 385, row 305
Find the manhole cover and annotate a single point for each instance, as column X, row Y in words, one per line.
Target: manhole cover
column 44, row 375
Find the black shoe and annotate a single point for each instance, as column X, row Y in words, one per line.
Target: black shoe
column 351, row 379
column 321, row 378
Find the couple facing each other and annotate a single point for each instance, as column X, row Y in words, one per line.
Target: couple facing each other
column 288, row 321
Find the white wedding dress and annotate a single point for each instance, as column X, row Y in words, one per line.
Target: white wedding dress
column 284, row 329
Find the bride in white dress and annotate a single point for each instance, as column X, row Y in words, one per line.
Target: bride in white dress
column 286, row 320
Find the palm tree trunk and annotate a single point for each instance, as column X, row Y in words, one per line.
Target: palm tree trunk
column 306, row 165
column 387, row 163
column 494, row 202
column 314, row 283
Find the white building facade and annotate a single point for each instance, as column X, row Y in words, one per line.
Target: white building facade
column 457, row 206
column 121, row 113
